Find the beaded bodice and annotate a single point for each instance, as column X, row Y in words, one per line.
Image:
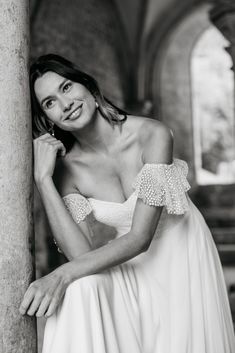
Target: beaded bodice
column 156, row 184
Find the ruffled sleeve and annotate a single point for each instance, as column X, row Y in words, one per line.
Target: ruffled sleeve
column 164, row 185
column 78, row 206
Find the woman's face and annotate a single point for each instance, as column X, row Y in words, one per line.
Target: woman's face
column 67, row 104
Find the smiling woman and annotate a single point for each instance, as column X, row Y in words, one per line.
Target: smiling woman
column 64, row 101
column 157, row 284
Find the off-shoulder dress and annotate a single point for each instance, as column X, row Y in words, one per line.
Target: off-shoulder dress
column 170, row 299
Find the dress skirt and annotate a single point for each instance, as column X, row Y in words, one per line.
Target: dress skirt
column 170, row 299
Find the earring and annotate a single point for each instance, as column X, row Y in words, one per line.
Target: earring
column 97, row 105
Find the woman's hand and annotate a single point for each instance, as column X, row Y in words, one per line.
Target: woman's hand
column 46, row 148
column 44, row 295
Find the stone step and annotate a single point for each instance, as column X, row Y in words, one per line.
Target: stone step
column 225, row 242
column 223, row 235
column 226, row 253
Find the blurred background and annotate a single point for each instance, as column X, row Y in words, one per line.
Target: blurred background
column 171, row 60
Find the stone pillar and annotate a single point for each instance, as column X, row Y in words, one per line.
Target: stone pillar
column 17, row 333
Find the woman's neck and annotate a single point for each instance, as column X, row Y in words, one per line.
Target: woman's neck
column 98, row 135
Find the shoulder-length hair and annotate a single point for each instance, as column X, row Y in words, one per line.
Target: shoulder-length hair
column 65, row 68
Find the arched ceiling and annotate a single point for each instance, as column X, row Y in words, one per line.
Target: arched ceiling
column 132, row 15
column 139, row 15
column 142, row 15
column 143, row 23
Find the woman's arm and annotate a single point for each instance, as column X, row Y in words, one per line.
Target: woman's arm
column 128, row 246
column 121, row 249
column 71, row 237
column 44, row 294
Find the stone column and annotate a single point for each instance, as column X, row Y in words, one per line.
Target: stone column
column 17, row 333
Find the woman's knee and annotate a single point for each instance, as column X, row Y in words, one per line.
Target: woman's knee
column 92, row 282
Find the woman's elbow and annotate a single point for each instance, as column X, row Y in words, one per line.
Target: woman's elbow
column 144, row 243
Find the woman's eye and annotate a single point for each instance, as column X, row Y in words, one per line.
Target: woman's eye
column 49, row 104
column 67, row 86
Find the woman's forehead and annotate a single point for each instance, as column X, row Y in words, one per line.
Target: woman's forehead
column 47, row 84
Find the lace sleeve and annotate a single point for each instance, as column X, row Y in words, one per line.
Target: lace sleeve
column 78, row 207
column 164, row 185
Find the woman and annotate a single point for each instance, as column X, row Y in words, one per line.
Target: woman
column 158, row 286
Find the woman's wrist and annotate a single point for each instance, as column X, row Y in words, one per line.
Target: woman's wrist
column 43, row 182
column 69, row 272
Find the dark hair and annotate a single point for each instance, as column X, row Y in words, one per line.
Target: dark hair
column 65, row 68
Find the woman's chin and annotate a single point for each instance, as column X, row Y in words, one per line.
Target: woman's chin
column 74, row 126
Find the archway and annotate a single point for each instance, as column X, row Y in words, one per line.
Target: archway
column 171, row 80
column 170, row 89
column 212, row 83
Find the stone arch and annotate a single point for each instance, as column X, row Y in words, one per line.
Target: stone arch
column 212, row 92
column 169, row 68
column 155, row 39
column 168, row 86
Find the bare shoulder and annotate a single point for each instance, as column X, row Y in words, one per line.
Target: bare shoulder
column 156, row 140
column 63, row 177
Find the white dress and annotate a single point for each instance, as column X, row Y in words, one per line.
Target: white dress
column 170, row 299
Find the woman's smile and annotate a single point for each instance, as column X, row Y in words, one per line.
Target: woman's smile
column 75, row 113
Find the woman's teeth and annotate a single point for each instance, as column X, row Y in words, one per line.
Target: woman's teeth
column 75, row 114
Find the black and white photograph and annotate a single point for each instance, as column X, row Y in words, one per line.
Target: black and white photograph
column 117, row 176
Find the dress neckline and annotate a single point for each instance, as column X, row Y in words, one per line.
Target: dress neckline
column 113, row 202
column 134, row 192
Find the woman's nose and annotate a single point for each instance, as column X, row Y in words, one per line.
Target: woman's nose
column 66, row 104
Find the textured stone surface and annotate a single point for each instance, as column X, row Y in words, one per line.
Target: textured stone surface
column 17, row 333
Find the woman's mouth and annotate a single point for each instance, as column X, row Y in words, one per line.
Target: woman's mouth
column 75, row 113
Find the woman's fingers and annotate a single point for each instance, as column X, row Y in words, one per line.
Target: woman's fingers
column 54, row 303
column 43, row 307
column 44, row 295
column 56, row 298
column 35, row 304
column 46, row 150
column 51, row 141
column 46, row 305
column 46, row 136
column 28, row 298
column 60, row 147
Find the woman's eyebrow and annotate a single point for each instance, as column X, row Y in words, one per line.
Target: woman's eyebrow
column 62, row 83
column 60, row 86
